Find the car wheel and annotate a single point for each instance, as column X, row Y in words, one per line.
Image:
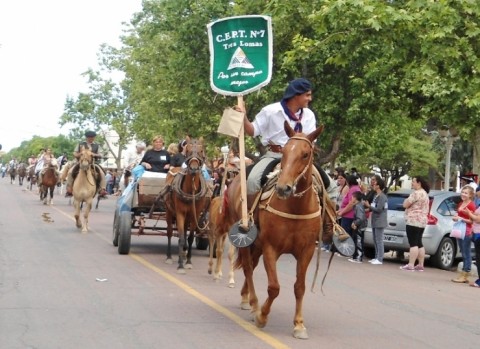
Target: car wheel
column 445, row 255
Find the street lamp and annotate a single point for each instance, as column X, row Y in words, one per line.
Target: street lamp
column 225, row 150
column 448, row 135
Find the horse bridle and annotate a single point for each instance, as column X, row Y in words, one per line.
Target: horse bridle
column 302, row 174
column 87, row 167
column 196, row 155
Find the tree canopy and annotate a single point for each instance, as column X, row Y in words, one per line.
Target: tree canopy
column 382, row 71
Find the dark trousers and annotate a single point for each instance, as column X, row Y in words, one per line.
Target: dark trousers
column 358, row 237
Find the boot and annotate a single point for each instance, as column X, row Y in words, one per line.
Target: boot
column 462, row 278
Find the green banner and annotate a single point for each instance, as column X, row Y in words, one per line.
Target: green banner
column 240, row 54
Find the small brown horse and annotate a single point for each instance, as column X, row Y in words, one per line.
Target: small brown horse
column 289, row 221
column 219, row 224
column 185, row 200
column 22, row 172
column 84, row 188
column 49, row 182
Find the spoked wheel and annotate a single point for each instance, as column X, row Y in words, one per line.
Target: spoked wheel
column 125, row 232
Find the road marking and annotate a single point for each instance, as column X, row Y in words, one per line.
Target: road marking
column 247, row 326
column 273, row 342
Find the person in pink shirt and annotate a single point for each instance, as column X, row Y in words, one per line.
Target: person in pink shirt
column 346, row 211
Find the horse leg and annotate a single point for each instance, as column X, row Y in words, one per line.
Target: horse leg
column 191, row 237
column 86, row 212
column 52, row 190
column 181, row 242
column 231, row 273
column 211, row 244
column 78, row 222
column 273, row 289
column 219, row 251
column 303, row 260
column 169, row 220
column 249, row 297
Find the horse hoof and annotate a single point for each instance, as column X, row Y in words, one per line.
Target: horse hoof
column 260, row 324
column 169, row 261
column 188, row 266
column 245, row 306
column 181, row 271
column 300, row 333
column 231, row 285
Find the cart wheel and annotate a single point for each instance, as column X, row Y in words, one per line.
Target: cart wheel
column 116, row 229
column 201, row 243
column 125, row 232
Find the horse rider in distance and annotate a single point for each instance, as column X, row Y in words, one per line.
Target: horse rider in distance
column 42, row 163
column 97, row 151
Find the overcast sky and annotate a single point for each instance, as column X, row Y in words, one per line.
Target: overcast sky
column 45, row 46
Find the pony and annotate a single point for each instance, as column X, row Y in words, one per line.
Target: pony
column 185, row 199
column 49, row 182
column 12, row 171
column 22, row 172
column 84, row 188
column 219, row 224
column 289, row 220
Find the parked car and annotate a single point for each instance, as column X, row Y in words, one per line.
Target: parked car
column 441, row 248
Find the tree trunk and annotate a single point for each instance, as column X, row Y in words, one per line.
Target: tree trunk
column 476, row 152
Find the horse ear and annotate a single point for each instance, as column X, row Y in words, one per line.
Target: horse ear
column 312, row 136
column 288, row 129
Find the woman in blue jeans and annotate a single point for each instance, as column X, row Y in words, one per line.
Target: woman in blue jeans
column 464, row 207
column 379, row 208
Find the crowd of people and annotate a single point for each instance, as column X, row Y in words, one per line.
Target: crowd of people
column 356, row 202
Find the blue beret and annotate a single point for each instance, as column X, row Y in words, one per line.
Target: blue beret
column 297, row 87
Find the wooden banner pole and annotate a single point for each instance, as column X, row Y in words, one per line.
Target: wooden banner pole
column 243, row 172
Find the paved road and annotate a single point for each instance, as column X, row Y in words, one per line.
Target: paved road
column 50, row 296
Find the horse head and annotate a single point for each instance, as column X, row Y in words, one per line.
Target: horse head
column 195, row 155
column 53, row 163
column 86, row 158
column 296, row 164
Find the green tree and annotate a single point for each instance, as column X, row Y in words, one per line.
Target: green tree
column 105, row 107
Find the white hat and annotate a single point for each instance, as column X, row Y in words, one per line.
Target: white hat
column 140, row 144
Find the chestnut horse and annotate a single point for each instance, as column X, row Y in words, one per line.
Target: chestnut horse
column 219, row 224
column 185, row 199
column 49, row 181
column 289, row 221
column 84, row 188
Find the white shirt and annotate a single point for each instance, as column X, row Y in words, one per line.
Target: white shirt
column 132, row 159
column 269, row 124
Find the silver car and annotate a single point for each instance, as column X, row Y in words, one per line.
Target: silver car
column 438, row 244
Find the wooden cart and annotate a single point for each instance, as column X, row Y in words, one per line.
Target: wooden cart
column 139, row 212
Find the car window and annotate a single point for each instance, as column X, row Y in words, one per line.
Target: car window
column 395, row 202
column 449, row 206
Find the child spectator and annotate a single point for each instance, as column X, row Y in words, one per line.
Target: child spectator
column 358, row 227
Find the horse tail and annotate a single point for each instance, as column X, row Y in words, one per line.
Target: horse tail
column 244, row 256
